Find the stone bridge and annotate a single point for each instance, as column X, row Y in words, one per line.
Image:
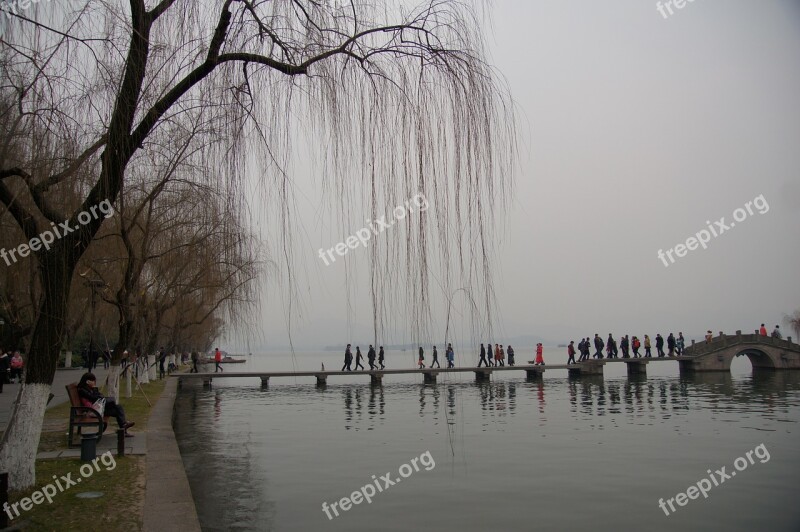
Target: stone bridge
column 764, row 352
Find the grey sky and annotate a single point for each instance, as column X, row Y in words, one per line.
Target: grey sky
column 634, row 130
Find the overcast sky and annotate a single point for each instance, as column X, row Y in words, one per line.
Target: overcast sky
column 635, row 130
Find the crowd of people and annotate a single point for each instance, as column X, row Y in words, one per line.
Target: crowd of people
column 348, row 358
column 628, row 346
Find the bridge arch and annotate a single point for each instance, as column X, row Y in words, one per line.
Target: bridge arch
column 763, row 353
column 759, row 358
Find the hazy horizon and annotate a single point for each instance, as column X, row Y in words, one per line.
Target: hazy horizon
column 636, row 133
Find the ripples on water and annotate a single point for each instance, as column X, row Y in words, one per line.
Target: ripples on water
column 558, row 454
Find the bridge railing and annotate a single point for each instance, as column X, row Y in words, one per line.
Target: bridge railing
column 724, row 340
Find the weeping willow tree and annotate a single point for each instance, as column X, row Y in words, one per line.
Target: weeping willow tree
column 793, row 321
column 396, row 100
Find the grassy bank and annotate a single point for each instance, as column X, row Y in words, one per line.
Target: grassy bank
column 120, row 480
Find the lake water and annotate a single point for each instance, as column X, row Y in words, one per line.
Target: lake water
column 589, row 454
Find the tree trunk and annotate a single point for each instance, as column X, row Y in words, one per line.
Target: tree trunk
column 125, row 328
column 144, row 375
column 112, row 381
column 151, row 367
column 21, row 438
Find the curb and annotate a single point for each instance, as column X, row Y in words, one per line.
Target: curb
column 168, row 502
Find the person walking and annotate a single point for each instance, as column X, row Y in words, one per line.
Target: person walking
column 571, row 352
column 671, row 345
column 647, row 353
column 680, row 344
column 217, row 360
column 381, row 357
column 660, row 345
column 451, row 356
column 539, row 353
column 483, row 357
column 489, row 354
column 497, row 355
column 162, row 357
column 623, row 345
column 348, row 359
column 502, row 356
column 598, row 345
column 435, row 358
column 611, row 347
column 359, row 358
column 587, row 348
column 510, row 356
column 636, row 345
column 709, row 336
column 194, row 362
column 371, row 358
column 421, row 361
column 763, row 330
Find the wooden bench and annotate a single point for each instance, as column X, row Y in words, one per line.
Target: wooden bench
column 82, row 416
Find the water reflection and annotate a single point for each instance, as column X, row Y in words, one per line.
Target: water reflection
column 253, row 453
column 585, row 396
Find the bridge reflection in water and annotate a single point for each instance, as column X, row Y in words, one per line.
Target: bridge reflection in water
column 365, row 406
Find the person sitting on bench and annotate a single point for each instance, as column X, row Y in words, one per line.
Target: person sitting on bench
column 88, row 392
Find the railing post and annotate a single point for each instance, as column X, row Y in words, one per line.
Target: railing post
column 120, row 442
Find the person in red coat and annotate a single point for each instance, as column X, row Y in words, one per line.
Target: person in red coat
column 539, row 357
column 570, row 352
column 217, row 360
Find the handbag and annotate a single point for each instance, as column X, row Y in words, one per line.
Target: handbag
column 100, row 405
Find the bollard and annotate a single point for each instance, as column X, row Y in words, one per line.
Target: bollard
column 120, row 442
column 3, row 499
column 88, row 447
